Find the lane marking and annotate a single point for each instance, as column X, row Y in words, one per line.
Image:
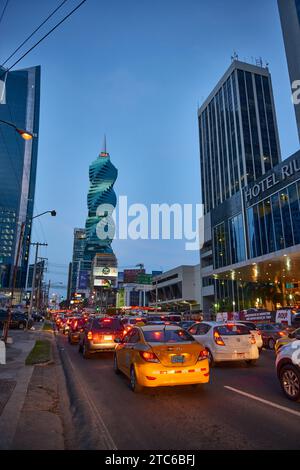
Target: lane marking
column 262, row 400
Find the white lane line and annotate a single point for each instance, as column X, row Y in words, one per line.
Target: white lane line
column 266, row 402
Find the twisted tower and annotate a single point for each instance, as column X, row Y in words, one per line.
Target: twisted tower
column 101, row 202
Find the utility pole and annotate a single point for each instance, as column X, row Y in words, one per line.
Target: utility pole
column 37, row 245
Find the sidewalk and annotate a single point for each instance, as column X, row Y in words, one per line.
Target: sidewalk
column 30, row 416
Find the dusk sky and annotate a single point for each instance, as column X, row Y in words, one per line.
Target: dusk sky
column 135, row 70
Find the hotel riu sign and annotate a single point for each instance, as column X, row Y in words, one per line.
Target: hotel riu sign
column 279, row 175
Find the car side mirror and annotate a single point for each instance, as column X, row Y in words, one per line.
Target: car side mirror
column 118, row 340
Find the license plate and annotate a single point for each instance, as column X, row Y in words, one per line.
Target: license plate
column 177, row 359
column 108, row 338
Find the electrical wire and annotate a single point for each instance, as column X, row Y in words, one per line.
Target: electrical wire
column 35, row 31
column 44, row 37
column 3, row 11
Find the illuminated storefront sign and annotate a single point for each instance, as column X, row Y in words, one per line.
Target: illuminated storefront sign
column 105, row 271
column 285, row 171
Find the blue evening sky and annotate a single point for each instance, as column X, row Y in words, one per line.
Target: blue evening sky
column 136, row 70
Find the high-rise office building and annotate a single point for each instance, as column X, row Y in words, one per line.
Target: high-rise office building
column 290, row 22
column 238, row 133
column 79, row 271
column 19, row 105
column 251, row 250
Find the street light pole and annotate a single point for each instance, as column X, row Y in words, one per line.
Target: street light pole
column 23, row 133
column 37, row 245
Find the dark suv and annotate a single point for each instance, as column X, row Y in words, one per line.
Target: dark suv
column 99, row 334
column 18, row 320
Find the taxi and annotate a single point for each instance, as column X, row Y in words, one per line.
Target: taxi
column 160, row 355
column 289, row 338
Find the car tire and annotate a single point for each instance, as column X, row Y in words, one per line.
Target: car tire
column 116, row 368
column 251, row 362
column 133, row 383
column 210, row 357
column 271, row 343
column 85, row 352
column 289, row 377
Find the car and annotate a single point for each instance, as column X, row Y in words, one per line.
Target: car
column 271, row 333
column 36, row 316
column 292, row 336
column 296, row 320
column 226, row 341
column 99, row 334
column 18, row 319
column 185, row 324
column 130, row 321
column 160, row 355
column 288, row 370
column 171, row 317
column 76, row 326
column 255, row 331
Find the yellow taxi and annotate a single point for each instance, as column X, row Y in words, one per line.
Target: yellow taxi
column 160, row 355
column 288, row 338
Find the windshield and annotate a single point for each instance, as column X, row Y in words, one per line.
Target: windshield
column 167, row 336
column 107, row 324
column 232, row 330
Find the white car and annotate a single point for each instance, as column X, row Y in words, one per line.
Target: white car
column 255, row 332
column 226, row 341
column 288, row 369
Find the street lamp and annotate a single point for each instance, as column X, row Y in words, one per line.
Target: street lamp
column 26, row 135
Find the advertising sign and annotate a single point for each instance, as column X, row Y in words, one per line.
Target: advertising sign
column 105, row 271
column 83, row 281
column 252, row 315
column 102, row 282
column 284, row 316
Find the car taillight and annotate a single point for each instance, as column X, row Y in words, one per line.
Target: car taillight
column 218, row 339
column 203, row 355
column 149, row 356
column 90, row 335
column 258, row 332
column 253, row 340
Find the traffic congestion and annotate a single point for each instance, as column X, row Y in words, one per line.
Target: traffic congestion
column 161, row 349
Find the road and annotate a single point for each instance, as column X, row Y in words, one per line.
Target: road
column 218, row 416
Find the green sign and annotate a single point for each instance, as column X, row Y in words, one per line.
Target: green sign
column 144, row 278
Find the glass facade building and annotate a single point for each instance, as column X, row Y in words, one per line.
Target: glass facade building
column 290, row 22
column 78, row 280
column 238, row 133
column 20, row 103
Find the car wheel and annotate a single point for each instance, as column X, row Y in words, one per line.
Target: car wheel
column 116, row 368
column 271, row 343
column 134, row 385
column 21, row 326
column 289, row 377
column 210, row 358
column 251, row 362
column 86, row 353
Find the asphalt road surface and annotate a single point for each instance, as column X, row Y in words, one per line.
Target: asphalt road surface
column 241, row 408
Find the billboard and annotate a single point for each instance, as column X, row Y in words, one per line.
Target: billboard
column 105, row 271
column 83, row 280
column 102, row 283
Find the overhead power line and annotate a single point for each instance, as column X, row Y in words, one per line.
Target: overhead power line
column 3, row 11
column 37, row 29
column 44, row 37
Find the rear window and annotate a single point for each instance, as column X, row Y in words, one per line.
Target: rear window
column 232, row 330
column 107, row 324
column 167, row 336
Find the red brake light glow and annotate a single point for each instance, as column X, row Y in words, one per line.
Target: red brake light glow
column 90, row 335
column 203, row 355
column 218, row 339
column 253, row 341
column 149, row 356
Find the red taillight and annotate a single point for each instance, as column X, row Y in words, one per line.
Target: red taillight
column 90, row 335
column 218, row 339
column 203, row 355
column 107, row 320
column 258, row 332
column 281, row 333
column 149, row 356
column 75, row 324
column 253, row 340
